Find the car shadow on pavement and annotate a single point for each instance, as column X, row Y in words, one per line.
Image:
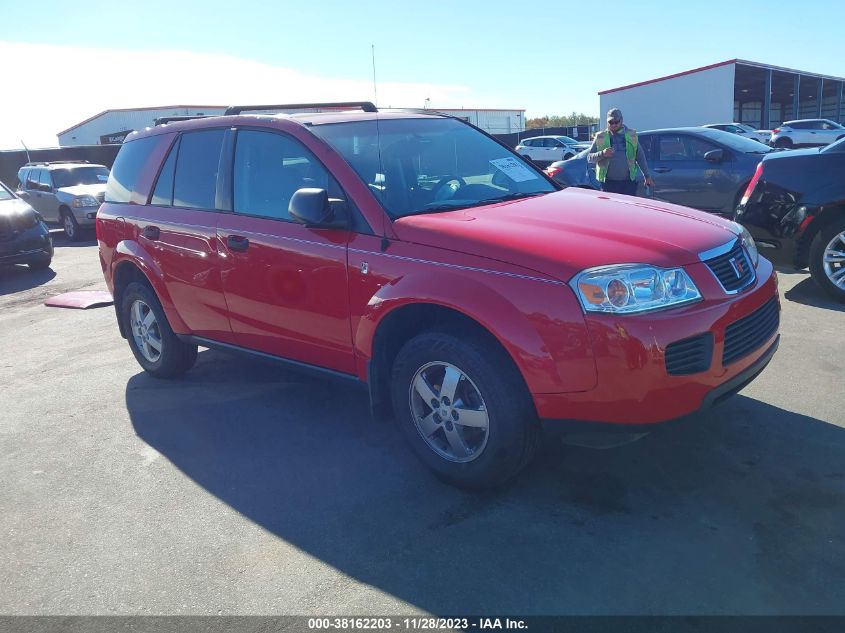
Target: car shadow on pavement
column 738, row 511
column 87, row 238
column 808, row 293
column 20, row 277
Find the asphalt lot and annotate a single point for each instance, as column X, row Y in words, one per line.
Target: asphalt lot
column 244, row 488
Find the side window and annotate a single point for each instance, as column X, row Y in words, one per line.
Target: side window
column 528, row 143
column 799, row 125
column 32, row 179
column 732, row 129
column 268, row 169
column 163, row 193
column 697, row 148
column 671, row 147
column 195, row 180
column 127, row 167
column 645, row 143
column 22, row 176
column 45, row 179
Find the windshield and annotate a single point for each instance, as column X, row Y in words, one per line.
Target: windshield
column 429, row 165
column 5, row 194
column 93, row 175
column 838, row 146
column 736, row 142
column 744, row 127
column 566, row 139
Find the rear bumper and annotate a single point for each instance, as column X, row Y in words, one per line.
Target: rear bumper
column 711, row 399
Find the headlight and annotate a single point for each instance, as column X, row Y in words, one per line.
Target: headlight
column 633, row 288
column 748, row 242
column 85, row 201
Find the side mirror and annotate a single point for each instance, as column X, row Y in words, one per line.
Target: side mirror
column 312, row 207
column 715, row 156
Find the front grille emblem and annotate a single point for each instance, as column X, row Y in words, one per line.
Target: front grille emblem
column 738, row 266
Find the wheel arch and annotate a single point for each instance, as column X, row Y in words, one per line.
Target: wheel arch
column 132, row 263
column 407, row 321
column 829, row 214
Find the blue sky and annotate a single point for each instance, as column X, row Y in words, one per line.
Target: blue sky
column 548, row 58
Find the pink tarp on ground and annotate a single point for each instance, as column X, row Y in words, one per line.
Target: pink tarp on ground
column 82, row 299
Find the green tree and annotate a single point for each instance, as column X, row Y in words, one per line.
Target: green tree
column 576, row 118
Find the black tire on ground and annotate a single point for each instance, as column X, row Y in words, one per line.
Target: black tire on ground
column 41, row 264
column 175, row 357
column 70, row 226
column 817, row 250
column 783, row 142
column 513, row 430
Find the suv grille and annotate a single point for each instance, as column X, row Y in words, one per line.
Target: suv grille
column 733, row 269
column 744, row 336
column 689, row 356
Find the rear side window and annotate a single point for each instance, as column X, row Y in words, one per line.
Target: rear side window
column 163, row 194
column 195, row 180
column 22, row 174
column 127, row 168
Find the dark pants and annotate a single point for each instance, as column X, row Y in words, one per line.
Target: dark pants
column 628, row 187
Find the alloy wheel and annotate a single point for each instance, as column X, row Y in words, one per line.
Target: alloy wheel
column 449, row 412
column 834, row 261
column 145, row 331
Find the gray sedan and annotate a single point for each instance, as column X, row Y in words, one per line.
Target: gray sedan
column 696, row 167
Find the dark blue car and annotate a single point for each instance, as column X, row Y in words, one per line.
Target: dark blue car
column 696, row 167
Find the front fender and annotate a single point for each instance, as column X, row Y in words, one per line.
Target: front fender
column 538, row 322
column 131, row 252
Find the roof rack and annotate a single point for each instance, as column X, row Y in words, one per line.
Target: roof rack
column 181, row 117
column 35, row 163
column 366, row 106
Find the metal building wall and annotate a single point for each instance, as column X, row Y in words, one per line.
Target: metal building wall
column 114, row 122
column 700, row 97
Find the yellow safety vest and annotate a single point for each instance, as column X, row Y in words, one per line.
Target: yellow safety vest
column 603, row 142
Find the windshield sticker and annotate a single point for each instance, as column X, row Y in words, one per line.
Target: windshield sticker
column 513, row 169
column 102, row 178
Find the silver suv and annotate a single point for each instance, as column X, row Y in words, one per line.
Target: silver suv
column 806, row 132
column 68, row 193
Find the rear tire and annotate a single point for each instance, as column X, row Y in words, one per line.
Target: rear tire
column 156, row 348
column 827, row 259
column 464, row 408
column 785, row 143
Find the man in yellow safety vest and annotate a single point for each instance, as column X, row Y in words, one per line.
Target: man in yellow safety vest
column 617, row 155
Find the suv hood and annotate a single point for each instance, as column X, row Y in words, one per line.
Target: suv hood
column 84, row 190
column 562, row 233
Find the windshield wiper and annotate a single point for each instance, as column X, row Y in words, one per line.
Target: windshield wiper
column 513, row 196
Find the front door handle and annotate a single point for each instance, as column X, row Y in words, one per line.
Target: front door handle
column 237, row 243
column 662, row 170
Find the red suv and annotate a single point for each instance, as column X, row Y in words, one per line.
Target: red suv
column 414, row 253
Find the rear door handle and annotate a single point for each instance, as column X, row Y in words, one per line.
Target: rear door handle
column 151, row 232
column 662, row 170
column 237, row 243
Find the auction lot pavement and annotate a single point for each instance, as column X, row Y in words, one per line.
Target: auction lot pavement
column 244, row 488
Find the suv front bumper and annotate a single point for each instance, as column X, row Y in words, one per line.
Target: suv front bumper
column 635, row 389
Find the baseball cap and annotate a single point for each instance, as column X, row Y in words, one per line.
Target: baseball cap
column 614, row 113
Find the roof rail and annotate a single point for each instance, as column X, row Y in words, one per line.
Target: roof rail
column 52, row 162
column 431, row 111
column 366, row 106
column 181, row 117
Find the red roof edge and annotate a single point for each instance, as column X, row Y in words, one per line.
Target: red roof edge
column 686, row 72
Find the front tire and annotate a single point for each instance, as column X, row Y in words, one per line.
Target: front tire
column 156, row 348
column 71, row 226
column 40, row 264
column 464, row 409
column 827, row 259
